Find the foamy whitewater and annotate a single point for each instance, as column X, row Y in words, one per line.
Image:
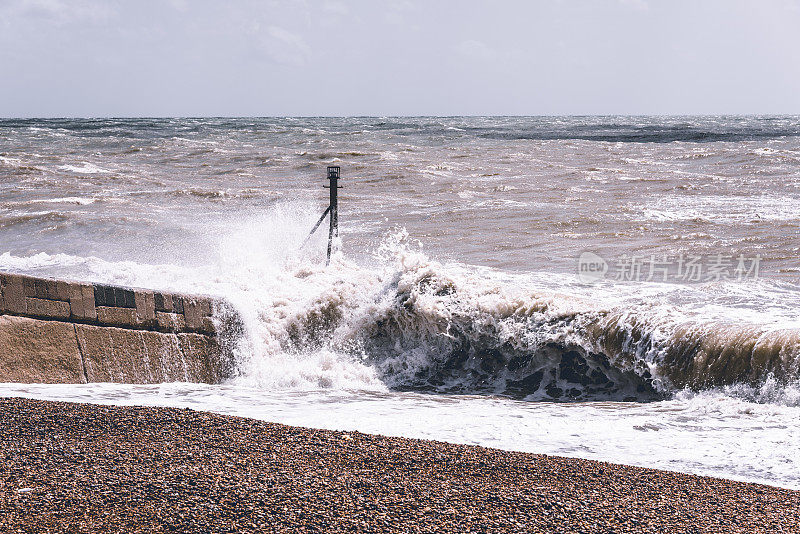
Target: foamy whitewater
column 454, row 309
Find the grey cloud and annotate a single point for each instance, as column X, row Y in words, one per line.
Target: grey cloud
column 285, row 47
column 402, row 57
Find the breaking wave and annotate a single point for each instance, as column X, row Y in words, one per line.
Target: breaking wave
column 411, row 323
column 422, row 326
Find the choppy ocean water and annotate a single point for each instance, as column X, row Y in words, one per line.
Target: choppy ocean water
column 459, row 307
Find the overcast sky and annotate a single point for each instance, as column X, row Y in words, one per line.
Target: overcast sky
column 404, row 57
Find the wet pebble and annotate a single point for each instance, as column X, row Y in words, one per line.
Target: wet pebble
column 85, row 468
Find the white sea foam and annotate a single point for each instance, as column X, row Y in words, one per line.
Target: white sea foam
column 468, row 194
column 84, row 168
column 721, row 209
column 400, row 322
column 81, row 201
column 10, row 161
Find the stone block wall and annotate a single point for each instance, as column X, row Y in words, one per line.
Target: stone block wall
column 72, row 332
column 105, row 305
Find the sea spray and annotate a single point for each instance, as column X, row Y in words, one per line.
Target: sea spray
column 406, row 321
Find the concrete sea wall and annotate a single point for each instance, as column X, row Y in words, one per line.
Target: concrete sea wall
column 55, row 331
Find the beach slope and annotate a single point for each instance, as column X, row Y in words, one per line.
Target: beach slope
column 88, row 468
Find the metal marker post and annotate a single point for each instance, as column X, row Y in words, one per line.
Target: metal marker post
column 332, row 210
column 333, row 176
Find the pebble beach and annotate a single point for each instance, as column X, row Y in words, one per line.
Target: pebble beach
column 68, row 467
column 400, row 267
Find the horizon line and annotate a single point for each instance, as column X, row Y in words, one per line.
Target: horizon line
column 582, row 115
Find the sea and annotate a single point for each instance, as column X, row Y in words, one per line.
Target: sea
column 623, row 289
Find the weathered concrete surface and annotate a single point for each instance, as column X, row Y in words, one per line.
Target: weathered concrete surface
column 214, row 366
column 142, row 357
column 70, row 332
column 32, row 350
column 39, row 351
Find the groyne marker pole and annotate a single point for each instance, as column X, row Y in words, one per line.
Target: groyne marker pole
column 333, row 176
column 332, row 210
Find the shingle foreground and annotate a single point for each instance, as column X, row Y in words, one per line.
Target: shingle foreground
column 86, row 468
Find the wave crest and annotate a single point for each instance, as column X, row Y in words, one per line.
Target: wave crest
column 423, row 327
